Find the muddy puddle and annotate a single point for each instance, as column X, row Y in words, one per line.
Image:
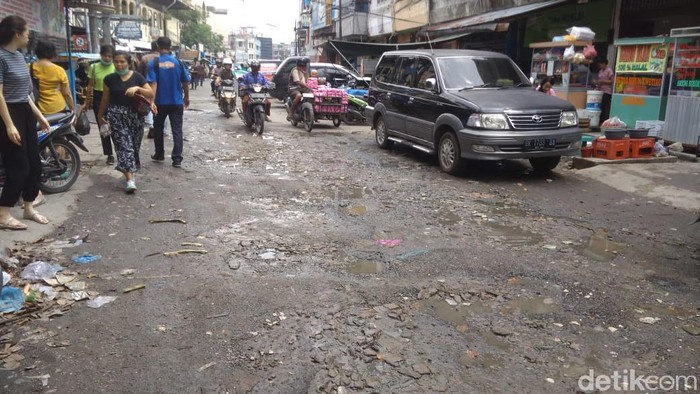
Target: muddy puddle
column 455, row 314
column 445, row 218
column 600, row 247
column 513, row 235
column 348, row 193
column 531, row 306
column 488, row 361
column 501, row 208
column 366, row 267
column 356, row 210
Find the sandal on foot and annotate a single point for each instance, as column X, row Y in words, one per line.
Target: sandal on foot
column 36, row 217
column 13, row 224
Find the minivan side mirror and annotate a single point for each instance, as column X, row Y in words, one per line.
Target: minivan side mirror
column 431, row 84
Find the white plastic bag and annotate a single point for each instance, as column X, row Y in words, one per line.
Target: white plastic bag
column 40, row 270
column 569, row 53
column 581, row 33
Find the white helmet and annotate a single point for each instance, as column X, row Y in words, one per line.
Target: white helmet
column 228, row 61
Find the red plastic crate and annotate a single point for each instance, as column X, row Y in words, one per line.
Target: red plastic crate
column 642, row 147
column 611, row 149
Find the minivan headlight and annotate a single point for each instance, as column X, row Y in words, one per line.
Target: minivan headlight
column 488, row 121
column 569, row 119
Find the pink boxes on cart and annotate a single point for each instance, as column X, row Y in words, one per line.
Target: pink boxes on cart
column 330, row 100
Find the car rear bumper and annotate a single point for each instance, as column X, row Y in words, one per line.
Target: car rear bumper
column 509, row 144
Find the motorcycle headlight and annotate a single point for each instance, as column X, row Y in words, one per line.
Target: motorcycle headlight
column 488, row 121
column 569, row 119
column 257, row 88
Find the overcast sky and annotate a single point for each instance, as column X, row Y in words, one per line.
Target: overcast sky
column 282, row 14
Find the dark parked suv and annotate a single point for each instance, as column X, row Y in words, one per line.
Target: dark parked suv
column 335, row 75
column 462, row 104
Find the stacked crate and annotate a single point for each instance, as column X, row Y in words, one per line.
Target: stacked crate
column 330, row 100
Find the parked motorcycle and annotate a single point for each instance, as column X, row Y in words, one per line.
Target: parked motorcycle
column 60, row 159
column 304, row 112
column 254, row 116
column 226, row 95
column 356, row 111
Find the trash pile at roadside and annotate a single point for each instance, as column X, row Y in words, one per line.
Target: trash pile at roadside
column 39, row 283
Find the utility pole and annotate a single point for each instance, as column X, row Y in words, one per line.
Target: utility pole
column 340, row 19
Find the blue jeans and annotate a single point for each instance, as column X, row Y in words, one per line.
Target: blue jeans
column 174, row 113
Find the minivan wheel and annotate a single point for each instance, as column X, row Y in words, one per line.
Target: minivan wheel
column 543, row 164
column 450, row 155
column 380, row 134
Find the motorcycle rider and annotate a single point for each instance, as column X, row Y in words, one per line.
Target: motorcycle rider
column 254, row 77
column 225, row 73
column 215, row 74
column 297, row 84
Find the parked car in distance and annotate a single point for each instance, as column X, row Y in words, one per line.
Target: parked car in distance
column 463, row 104
column 335, row 74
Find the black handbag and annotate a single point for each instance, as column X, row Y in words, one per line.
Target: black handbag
column 82, row 125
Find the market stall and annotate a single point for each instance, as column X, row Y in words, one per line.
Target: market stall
column 571, row 75
column 639, row 78
column 683, row 108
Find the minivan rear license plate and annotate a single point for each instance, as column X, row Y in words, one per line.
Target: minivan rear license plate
column 540, row 144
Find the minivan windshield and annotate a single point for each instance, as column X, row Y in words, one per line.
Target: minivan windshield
column 467, row 72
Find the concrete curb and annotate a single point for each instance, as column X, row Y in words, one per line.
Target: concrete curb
column 580, row 163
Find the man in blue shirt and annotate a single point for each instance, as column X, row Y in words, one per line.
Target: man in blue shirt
column 251, row 78
column 170, row 81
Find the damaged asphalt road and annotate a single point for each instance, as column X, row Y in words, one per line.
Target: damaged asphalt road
column 327, row 265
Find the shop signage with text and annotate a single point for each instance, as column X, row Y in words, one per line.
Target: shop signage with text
column 637, row 84
column 642, row 58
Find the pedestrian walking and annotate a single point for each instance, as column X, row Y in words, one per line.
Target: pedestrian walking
column 194, row 74
column 98, row 71
column 170, row 81
column 18, row 116
column 201, row 73
column 118, row 109
column 143, row 70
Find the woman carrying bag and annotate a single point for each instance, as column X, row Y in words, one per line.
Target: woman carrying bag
column 118, row 109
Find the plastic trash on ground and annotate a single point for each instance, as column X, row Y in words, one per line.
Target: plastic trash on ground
column 40, row 270
column 86, row 258
column 99, row 301
column 659, row 150
column 5, row 278
column 11, row 299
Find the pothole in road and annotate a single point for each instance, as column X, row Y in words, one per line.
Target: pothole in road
column 366, row 267
column 600, row 247
column 348, row 193
column 532, row 306
column 455, row 314
column 513, row 234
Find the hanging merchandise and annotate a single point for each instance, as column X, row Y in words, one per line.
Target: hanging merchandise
column 589, row 52
column 569, row 53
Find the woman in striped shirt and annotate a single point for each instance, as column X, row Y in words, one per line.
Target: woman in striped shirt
column 18, row 117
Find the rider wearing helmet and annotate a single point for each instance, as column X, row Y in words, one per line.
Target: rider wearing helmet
column 254, row 77
column 226, row 72
column 297, row 84
column 215, row 74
